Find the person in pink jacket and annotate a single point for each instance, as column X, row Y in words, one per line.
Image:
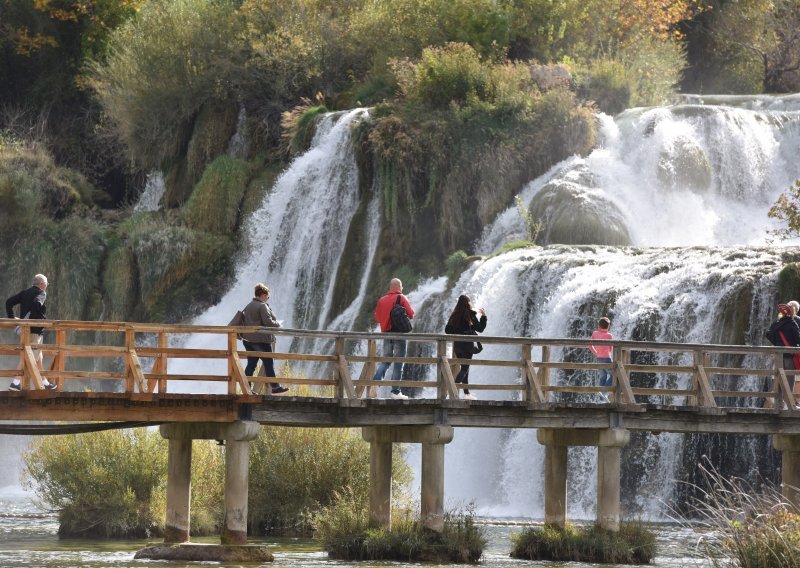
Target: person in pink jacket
column 603, row 353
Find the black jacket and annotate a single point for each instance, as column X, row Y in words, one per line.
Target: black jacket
column 474, row 327
column 30, row 301
column 788, row 328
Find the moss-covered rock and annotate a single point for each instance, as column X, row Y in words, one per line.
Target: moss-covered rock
column 789, row 282
column 572, row 214
column 216, row 200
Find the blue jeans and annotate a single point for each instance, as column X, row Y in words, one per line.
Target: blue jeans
column 391, row 348
column 604, row 374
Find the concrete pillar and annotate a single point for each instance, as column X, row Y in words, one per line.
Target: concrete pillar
column 789, row 447
column 237, row 462
column 432, row 502
column 555, row 485
column 608, row 482
column 380, row 487
column 179, row 490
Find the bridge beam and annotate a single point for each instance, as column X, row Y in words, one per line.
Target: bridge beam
column 609, row 443
column 433, row 438
column 237, row 436
column 789, row 446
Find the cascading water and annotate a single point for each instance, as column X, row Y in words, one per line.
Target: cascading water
column 296, row 237
column 690, row 175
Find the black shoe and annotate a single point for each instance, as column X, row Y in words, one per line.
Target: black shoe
column 280, row 390
column 51, row 386
column 13, row 387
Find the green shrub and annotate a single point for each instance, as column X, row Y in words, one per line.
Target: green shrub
column 297, row 470
column 173, row 59
column 216, row 200
column 633, row 544
column 105, row 484
column 342, row 529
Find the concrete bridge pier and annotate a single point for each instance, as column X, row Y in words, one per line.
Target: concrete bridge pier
column 789, row 446
column 609, row 443
column 237, row 436
column 433, row 439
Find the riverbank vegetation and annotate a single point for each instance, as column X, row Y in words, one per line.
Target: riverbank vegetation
column 633, row 544
column 342, row 528
column 753, row 527
column 112, row 484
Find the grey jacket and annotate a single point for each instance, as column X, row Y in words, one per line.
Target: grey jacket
column 258, row 313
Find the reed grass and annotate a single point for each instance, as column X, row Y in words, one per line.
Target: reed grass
column 746, row 527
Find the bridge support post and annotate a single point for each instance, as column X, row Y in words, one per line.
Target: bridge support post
column 433, row 440
column 237, row 462
column 179, row 491
column 609, row 442
column 789, row 446
column 380, row 485
column 237, row 436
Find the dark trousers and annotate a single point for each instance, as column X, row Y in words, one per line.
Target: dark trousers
column 463, row 374
column 252, row 362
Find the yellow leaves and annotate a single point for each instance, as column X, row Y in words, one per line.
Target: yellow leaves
column 27, row 44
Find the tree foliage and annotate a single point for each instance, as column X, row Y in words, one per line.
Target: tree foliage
column 786, row 211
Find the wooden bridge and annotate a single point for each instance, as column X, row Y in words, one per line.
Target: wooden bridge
column 536, row 383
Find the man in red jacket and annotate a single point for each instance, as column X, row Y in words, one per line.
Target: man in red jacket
column 391, row 347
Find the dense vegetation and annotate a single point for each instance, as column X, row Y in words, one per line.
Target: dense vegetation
column 96, row 95
column 113, row 483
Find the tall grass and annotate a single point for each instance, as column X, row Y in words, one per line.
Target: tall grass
column 748, row 528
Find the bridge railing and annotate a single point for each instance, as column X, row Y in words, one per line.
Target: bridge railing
column 143, row 359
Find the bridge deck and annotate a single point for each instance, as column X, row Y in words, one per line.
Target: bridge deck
column 530, row 383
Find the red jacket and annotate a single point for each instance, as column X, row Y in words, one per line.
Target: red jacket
column 384, row 308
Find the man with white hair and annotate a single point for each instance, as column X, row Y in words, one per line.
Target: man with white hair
column 32, row 306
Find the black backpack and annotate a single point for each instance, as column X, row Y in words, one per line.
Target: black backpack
column 398, row 317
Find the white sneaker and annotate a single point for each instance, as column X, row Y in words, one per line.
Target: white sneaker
column 603, row 397
column 469, row 397
column 399, row 396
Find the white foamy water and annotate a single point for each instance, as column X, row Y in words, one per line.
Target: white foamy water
column 683, row 175
column 150, row 199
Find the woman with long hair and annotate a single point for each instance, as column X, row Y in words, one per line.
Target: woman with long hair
column 465, row 320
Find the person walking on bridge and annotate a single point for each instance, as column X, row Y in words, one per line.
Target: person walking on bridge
column 32, row 306
column 392, row 347
column 785, row 331
column 258, row 313
column 465, row 320
column 603, row 353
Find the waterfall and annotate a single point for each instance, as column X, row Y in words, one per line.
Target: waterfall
column 686, row 186
column 150, row 199
column 296, row 239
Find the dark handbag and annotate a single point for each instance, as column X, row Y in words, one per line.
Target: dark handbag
column 477, row 347
column 238, row 319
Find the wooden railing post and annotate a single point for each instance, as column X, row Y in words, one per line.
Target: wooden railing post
column 160, row 365
column 25, row 342
column 236, row 374
column 446, row 383
column 783, row 393
column 59, row 361
column 532, row 388
column 620, row 380
column 344, row 383
column 368, row 370
column 705, row 393
column 544, row 372
column 130, row 345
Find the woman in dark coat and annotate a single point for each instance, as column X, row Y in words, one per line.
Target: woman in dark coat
column 465, row 320
column 784, row 331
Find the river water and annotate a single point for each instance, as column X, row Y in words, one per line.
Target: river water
column 29, row 539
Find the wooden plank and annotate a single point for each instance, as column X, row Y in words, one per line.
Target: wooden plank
column 731, row 371
column 418, row 360
column 182, row 353
column 662, row 392
column 135, row 368
column 293, row 381
column 130, row 345
column 785, row 392
column 344, row 376
column 407, row 383
column 448, row 381
column 705, row 388
column 187, row 377
column 60, row 360
column 239, row 378
column 368, row 370
column 739, row 394
column 501, row 387
column 31, row 368
column 677, row 369
column 623, row 381
column 537, row 394
column 83, row 375
column 83, row 350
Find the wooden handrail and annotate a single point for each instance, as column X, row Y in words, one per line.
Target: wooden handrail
column 535, row 371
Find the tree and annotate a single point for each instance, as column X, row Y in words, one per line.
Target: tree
column 786, row 210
